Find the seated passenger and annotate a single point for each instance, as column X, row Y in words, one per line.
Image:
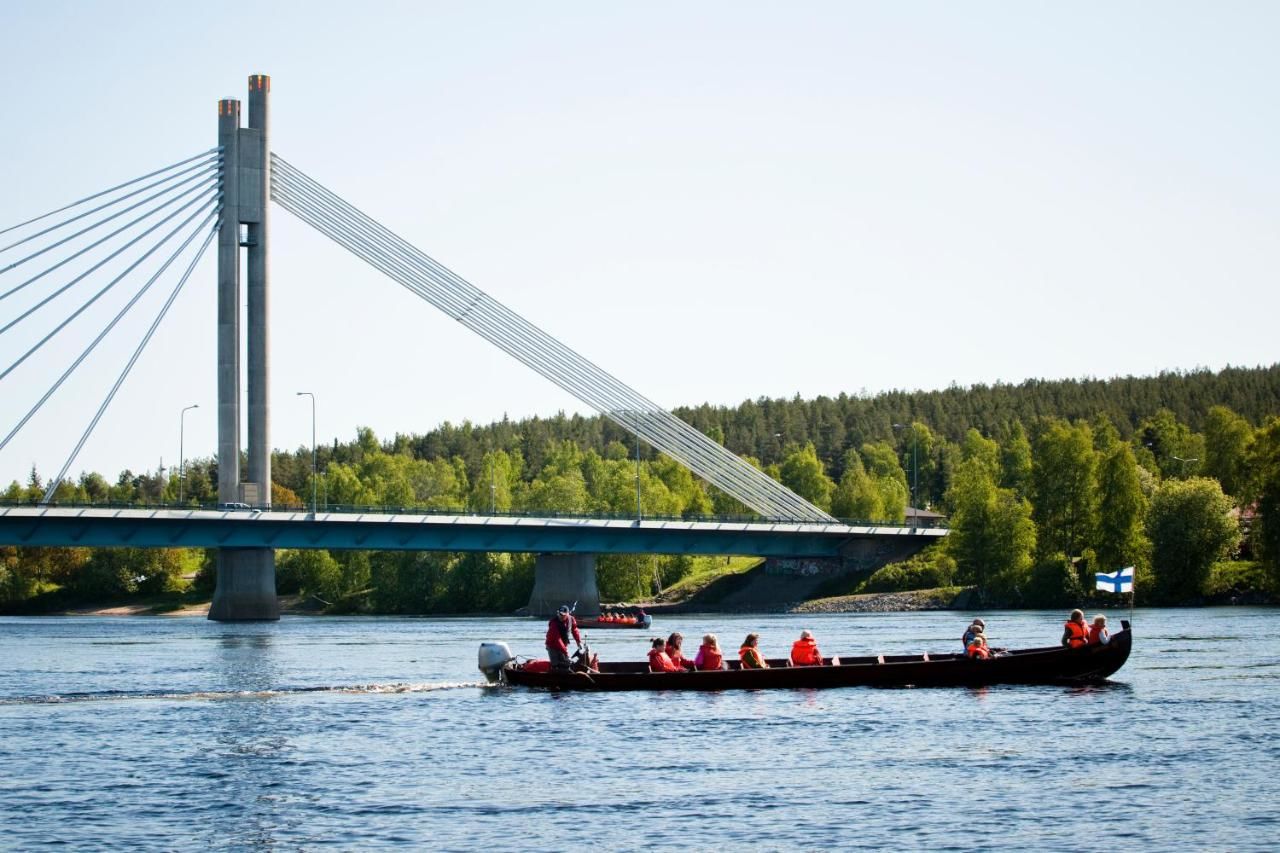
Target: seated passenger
column 709, row 656
column 658, row 660
column 675, row 651
column 1098, row 634
column 804, row 651
column 1075, row 633
column 976, row 627
column 749, row 654
column 978, row 647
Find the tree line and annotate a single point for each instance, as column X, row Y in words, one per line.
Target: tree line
column 1044, row 482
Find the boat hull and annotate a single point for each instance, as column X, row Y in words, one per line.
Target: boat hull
column 1056, row 665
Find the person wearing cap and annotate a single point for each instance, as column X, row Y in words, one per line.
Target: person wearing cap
column 561, row 627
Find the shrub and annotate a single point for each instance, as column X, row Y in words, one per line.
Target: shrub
column 929, row 569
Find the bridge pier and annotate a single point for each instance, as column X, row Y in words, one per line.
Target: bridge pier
column 246, row 590
column 246, row 584
column 563, row 579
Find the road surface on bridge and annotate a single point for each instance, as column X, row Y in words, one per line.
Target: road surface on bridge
column 374, row 531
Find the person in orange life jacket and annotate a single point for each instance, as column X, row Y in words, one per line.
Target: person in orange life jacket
column 749, row 654
column 1098, row 633
column 977, row 627
column 804, row 651
column 658, row 659
column 1075, row 633
column 675, row 651
column 709, row 655
column 978, row 647
column 561, row 627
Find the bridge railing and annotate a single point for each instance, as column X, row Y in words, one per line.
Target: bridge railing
column 352, row 509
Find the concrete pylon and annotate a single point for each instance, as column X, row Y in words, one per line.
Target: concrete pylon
column 246, row 586
column 563, row 579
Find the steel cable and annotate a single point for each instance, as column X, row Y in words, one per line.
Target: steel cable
column 212, row 217
column 655, row 429
column 213, row 190
column 53, row 485
column 103, row 291
column 111, row 190
column 211, row 162
column 467, row 304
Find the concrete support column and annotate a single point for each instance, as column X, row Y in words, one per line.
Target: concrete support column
column 246, row 586
column 255, row 171
column 563, row 579
column 229, row 305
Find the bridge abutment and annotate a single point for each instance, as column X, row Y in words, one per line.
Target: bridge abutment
column 563, row 579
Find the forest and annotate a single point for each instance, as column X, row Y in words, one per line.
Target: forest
column 1042, row 483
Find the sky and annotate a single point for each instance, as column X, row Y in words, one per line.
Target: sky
column 713, row 201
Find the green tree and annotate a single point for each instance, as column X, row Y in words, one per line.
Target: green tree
column 1176, row 450
column 1064, row 491
column 1264, row 491
column 857, row 496
column 1015, row 461
column 803, row 473
column 1226, row 448
column 1122, row 507
column 984, row 450
column 992, row 536
column 1191, row 528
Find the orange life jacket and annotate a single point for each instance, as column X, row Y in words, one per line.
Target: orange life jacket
column 751, row 659
column 659, row 662
column 711, row 659
column 978, row 651
column 1096, row 632
column 677, row 656
column 1077, row 635
column 805, row 653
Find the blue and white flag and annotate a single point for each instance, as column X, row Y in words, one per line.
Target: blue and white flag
column 1120, row 580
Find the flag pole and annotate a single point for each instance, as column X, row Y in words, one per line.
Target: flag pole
column 1133, row 593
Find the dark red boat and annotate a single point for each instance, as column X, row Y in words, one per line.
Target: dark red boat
column 1053, row 665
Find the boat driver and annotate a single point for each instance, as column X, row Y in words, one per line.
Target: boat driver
column 560, row 628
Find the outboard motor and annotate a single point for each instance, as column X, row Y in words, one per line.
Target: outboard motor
column 493, row 657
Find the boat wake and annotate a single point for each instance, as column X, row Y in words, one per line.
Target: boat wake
column 222, row 695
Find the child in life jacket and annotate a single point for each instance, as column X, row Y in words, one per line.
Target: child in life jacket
column 1098, row 633
column 978, row 647
column 658, row 659
column 709, row 655
column 1075, row 633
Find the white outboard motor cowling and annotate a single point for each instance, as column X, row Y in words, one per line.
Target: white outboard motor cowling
column 493, row 657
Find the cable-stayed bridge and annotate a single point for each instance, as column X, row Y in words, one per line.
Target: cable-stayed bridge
column 154, row 229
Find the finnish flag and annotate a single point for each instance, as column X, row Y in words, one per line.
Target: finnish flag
column 1120, row 580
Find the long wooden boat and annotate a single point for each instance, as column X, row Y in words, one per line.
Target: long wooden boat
column 1053, row 665
column 643, row 624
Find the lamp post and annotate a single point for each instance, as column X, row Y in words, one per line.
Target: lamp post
column 639, row 510
column 313, row 450
column 182, row 429
column 1184, row 462
column 915, row 477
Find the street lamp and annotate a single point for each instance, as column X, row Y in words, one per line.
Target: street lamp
column 1184, row 462
column 915, row 477
column 182, row 428
column 639, row 510
column 313, row 450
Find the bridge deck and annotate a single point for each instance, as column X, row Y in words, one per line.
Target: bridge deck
column 204, row 528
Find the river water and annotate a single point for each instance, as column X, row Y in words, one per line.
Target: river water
column 178, row 733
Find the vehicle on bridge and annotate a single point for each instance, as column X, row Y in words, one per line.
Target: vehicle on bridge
column 1055, row 665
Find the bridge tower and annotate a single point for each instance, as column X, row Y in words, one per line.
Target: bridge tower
column 246, row 586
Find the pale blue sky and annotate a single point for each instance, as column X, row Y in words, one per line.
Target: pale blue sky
column 714, row 201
